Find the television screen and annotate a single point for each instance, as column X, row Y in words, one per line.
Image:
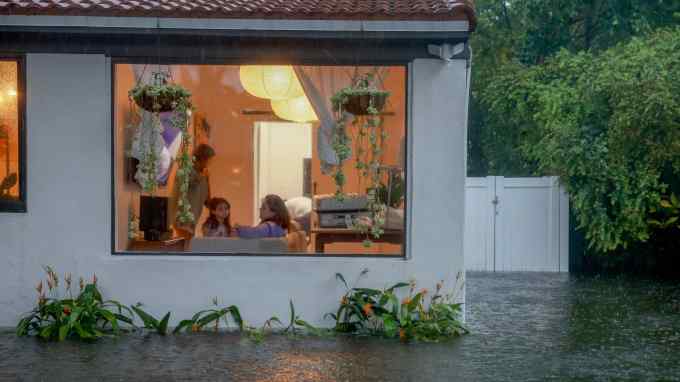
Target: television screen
column 153, row 214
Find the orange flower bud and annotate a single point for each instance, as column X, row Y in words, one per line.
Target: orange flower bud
column 195, row 328
column 368, row 310
column 406, row 301
column 67, row 311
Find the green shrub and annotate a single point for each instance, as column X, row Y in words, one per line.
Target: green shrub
column 381, row 312
column 151, row 322
column 608, row 124
column 211, row 316
column 86, row 317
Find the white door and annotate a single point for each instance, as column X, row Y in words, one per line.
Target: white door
column 280, row 150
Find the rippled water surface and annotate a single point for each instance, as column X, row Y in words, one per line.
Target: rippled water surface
column 524, row 327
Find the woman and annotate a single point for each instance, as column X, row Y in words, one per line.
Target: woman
column 274, row 220
column 198, row 193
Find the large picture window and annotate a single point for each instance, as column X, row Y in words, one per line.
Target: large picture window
column 262, row 160
column 12, row 178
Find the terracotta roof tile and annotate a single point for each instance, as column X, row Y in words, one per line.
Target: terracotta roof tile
column 429, row 10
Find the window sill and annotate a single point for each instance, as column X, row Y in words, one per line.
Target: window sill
column 13, row 206
column 257, row 255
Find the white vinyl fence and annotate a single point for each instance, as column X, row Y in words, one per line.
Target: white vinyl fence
column 516, row 224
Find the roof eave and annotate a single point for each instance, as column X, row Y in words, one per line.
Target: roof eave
column 249, row 24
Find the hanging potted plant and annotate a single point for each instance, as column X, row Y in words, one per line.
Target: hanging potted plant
column 365, row 102
column 155, row 98
column 159, row 96
column 359, row 98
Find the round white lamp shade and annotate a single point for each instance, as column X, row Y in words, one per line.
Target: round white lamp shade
column 296, row 109
column 274, row 82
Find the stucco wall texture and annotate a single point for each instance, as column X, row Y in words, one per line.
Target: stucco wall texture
column 68, row 223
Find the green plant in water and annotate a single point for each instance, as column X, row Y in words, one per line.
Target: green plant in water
column 380, row 312
column 257, row 335
column 296, row 324
column 211, row 316
column 150, row 322
column 86, row 317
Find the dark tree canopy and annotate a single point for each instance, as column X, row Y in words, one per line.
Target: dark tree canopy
column 589, row 91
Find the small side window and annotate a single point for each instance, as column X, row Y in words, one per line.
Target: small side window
column 12, row 135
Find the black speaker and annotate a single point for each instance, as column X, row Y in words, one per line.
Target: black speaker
column 153, row 216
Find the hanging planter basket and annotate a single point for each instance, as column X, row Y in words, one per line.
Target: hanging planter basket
column 359, row 103
column 159, row 98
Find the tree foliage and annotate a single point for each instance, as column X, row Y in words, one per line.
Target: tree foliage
column 583, row 89
column 513, row 35
column 608, row 124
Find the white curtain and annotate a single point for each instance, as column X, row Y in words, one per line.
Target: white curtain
column 320, row 83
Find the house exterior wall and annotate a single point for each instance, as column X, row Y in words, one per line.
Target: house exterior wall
column 68, row 223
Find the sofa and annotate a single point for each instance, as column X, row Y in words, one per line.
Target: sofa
column 238, row 245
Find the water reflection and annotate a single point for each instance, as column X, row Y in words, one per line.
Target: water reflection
column 524, row 327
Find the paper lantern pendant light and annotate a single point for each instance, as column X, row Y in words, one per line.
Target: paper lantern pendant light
column 295, row 109
column 275, row 82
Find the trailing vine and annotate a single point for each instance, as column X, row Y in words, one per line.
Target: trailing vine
column 365, row 102
column 162, row 97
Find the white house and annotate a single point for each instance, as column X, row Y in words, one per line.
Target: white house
column 74, row 146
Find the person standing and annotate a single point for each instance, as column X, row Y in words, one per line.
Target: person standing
column 198, row 193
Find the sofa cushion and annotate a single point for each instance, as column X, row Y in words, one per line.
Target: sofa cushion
column 238, row 245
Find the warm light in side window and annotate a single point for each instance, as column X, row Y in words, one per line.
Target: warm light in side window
column 12, row 93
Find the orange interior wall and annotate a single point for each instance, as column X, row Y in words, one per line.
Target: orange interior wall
column 9, row 113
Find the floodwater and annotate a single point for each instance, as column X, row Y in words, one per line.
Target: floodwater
column 524, row 327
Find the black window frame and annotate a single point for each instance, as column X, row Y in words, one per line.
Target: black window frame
column 19, row 206
column 243, row 61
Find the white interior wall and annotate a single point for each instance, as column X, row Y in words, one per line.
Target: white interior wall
column 279, row 151
column 68, row 224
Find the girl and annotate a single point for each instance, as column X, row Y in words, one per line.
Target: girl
column 274, row 220
column 218, row 224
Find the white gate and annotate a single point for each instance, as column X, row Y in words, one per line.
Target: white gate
column 516, row 224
